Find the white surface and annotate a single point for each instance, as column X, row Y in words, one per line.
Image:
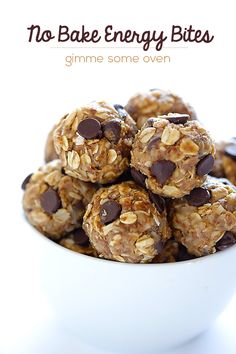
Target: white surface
column 28, row 324
column 37, row 89
column 46, row 337
column 130, row 308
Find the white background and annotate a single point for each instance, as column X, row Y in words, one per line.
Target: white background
column 37, row 89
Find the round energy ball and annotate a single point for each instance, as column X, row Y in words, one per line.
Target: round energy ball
column 94, row 142
column 205, row 220
column 49, row 150
column 172, row 154
column 154, row 103
column 125, row 224
column 53, row 202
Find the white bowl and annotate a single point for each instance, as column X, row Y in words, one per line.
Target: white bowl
column 135, row 308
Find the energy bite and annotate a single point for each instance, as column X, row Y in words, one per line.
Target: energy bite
column 205, row 220
column 78, row 241
column 172, row 155
column 53, row 202
column 94, row 142
column 155, row 103
column 123, row 224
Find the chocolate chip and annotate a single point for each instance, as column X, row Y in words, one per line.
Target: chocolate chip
column 228, row 240
column 183, row 254
column 90, row 128
column 150, row 122
column 230, row 151
column 111, row 130
column 178, row 119
column 26, row 181
column 126, row 176
column 80, row 237
column 110, row 211
column 79, row 205
column 198, row 196
column 138, row 177
column 133, row 130
column 163, row 170
column 120, row 109
column 50, row 201
column 159, row 246
column 153, row 142
column 205, row 165
column 158, row 201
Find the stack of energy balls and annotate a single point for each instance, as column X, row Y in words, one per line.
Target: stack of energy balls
column 132, row 184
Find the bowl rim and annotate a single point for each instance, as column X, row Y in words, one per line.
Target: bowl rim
column 78, row 255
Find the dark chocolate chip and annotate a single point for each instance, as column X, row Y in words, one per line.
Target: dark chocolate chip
column 110, row 211
column 111, row 130
column 138, row 176
column 153, row 142
column 90, row 128
column 183, row 254
column 158, row 201
column 178, row 119
column 228, row 240
column 126, row 176
column 163, row 170
column 79, row 205
column 198, row 196
column 150, row 122
column 133, row 130
column 159, row 246
column 26, row 181
column 120, row 109
column 230, row 151
column 205, row 165
column 80, row 237
column 50, row 201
